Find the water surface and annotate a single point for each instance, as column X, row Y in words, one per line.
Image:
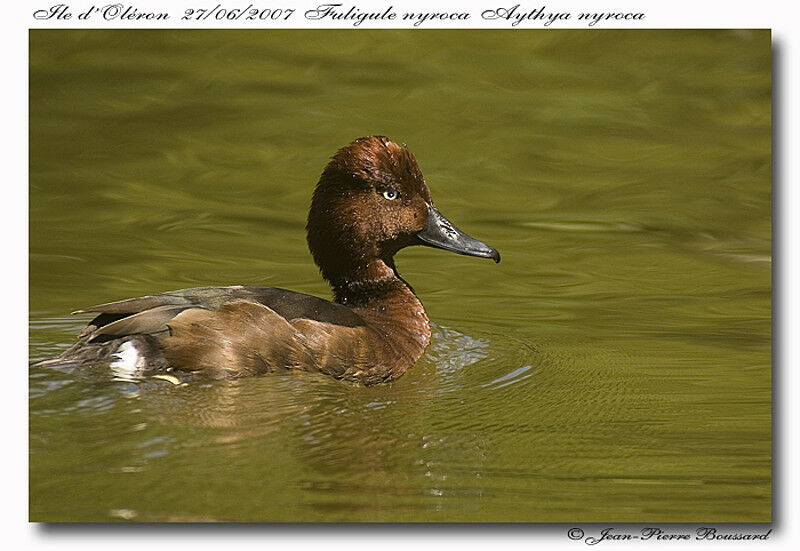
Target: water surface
column 614, row 367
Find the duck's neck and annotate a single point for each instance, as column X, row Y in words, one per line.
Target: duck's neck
column 367, row 284
column 380, row 296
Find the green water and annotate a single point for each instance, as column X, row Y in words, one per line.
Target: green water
column 614, row 367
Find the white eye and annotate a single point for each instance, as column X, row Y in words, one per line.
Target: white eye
column 390, row 194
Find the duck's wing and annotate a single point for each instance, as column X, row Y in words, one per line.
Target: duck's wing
column 226, row 331
column 145, row 315
column 201, row 297
column 152, row 313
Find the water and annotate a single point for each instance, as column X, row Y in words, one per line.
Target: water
column 614, row 367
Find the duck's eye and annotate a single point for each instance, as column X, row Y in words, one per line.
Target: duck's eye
column 391, row 194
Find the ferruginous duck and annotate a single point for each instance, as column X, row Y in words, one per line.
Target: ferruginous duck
column 370, row 202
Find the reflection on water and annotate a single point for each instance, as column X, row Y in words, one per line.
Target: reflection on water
column 615, row 365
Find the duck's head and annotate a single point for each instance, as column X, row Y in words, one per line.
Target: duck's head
column 370, row 202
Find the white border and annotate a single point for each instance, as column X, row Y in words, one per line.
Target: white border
column 662, row 14
column 780, row 16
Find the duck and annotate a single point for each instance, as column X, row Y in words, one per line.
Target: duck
column 370, row 202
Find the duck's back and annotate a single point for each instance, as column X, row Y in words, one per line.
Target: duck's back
column 232, row 331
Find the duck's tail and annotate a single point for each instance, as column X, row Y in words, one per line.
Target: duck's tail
column 129, row 357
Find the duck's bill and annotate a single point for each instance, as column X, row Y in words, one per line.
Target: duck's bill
column 440, row 233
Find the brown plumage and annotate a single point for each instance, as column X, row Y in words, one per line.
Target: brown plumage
column 370, row 202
